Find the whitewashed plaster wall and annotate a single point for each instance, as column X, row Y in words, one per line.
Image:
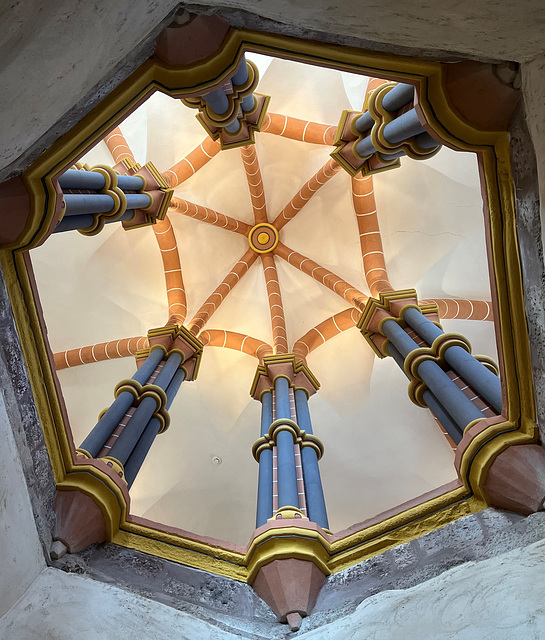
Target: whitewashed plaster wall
column 21, row 554
column 499, row 599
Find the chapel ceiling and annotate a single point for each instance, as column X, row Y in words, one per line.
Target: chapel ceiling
column 299, row 286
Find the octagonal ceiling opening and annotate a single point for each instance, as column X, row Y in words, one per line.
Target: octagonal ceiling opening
column 380, row 449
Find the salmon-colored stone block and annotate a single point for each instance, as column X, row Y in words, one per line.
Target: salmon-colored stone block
column 290, row 587
column 14, row 209
column 198, row 38
column 79, row 520
column 516, row 479
column 479, row 96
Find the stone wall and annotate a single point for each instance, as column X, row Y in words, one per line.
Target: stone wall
column 20, row 550
column 74, row 52
column 496, row 598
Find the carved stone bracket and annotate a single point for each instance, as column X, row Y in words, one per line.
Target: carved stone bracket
column 516, row 479
column 155, row 186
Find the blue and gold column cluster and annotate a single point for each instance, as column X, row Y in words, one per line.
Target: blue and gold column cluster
column 390, row 127
column 289, row 483
column 126, row 430
column 459, row 388
column 232, row 112
column 128, row 193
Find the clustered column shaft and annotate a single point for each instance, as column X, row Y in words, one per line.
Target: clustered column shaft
column 144, row 402
column 454, row 409
column 314, row 493
column 399, row 130
column 287, row 451
column 287, row 475
column 390, row 127
column 84, row 196
column 232, row 111
column 265, row 481
column 218, row 101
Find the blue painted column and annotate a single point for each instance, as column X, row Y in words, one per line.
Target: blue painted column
column 141, row 450
column 287, row 476
column 92, row 180
column 240, row 77
column 403, row 127
column 81, row 209
column 484, row 381
column 83, row 221
column 86, row 203
column 135, row 428
column 81, row 203
column 455, row 402
column 102, row 431
column 218, row 102
column 398, row 97
column 265, row 481
column 431, row 401
column 314, row 493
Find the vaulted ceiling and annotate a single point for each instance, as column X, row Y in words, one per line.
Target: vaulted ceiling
column 380, row 449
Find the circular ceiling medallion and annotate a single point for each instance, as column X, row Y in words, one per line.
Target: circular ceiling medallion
column 263, row 237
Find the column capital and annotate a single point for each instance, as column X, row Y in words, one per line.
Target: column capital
column 390, row 305
column 250, row 121
column 154, row 185
column 382, row 152
column 287, row 366
column 175, row 339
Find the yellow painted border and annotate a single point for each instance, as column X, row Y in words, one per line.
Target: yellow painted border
column 493, row 152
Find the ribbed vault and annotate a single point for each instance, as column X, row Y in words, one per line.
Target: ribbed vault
column 257, row 254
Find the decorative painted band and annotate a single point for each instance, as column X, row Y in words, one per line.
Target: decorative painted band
column 300, row 436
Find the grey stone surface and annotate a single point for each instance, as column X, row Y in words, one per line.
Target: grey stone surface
column 61, row 606
column 75, row 52
column 228, row 604
column 529, row 230
column 484, row 29
column 27, row 430
column 20, row 549
column 474, row 538
column 58, row 550
column 246, row 19
column 419, row 592
column 232, row 606
column 499, row 598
